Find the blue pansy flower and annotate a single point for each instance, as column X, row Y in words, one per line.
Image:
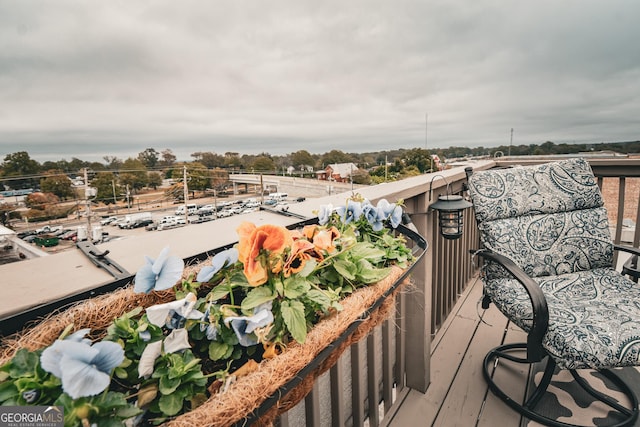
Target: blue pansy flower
column 210, row 328
column 219, row 261
column 351, row 212
column 84, row 369
column 390, row 211
column 212, row 332
column 372, row 214
column 159, row 274
column 396, row 216
column 244, row 326
column 174, row 314
column 325, row 213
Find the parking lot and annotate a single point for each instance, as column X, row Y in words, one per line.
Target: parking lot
column 106, row 228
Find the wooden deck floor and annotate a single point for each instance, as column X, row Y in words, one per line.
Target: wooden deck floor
column 458, row 394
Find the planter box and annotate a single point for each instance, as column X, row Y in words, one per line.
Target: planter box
column 278, row 383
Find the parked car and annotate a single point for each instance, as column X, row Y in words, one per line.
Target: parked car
column 69, row 235
column 206, row 210
column 169, row 224
column 194, row 219
column 191, row 209
column 108, row 220
column 223, row 213
column 60, row 232
column 152, row 226
column 49, row 229
column 140, row 223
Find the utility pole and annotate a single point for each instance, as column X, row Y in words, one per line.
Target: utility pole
column 87, row 200
column 262, row 187
column 115, row 200
column 426, row 140
column 128, row 205
column 510, row 142
column 186, row 193
column 386, row 168
column 426, row 131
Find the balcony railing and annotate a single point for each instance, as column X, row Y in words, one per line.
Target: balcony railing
column 368, row 383
column 372, row 379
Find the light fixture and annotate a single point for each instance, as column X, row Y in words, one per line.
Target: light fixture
column 449, row 207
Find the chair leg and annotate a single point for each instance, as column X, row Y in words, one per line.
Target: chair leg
column 629, row 414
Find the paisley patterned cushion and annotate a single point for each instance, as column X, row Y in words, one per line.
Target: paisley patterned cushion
column 550, row 220
column 562, row 186
column 550, row 244
column 594, row 316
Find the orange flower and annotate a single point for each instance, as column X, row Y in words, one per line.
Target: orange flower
column 298, row 257
column 308, row 231
column 255, row 241
column 323, row 240
column 244, row 243
column 271, row 350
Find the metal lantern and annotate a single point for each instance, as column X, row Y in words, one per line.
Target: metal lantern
column 449, row 207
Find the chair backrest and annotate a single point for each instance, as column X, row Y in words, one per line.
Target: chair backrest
column 549, row 219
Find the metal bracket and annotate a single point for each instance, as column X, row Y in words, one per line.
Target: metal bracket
column 101, row 260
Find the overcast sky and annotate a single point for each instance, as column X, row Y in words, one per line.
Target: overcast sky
column 93, row 78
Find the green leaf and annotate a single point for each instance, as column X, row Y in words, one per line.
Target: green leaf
column 320, row 298
column 279, row 287
column 7, row 391
column 367, row 251
column 169, row 385
column 295, row 287
column 121, row 373
column 345, row 268
column 24, row 363
column 367, row 273
column 257, row 296
column 219, row 350
column 220, row 291
column 170, row 404
column 293, row 316
column 309, row 267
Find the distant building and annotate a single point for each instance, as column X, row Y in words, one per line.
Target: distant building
column 338, row 172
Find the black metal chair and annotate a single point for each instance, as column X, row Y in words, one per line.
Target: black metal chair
column 547, row 265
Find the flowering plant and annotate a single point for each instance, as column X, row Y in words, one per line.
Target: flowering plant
column 248, row 304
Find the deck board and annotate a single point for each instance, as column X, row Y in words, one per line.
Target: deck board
column 514, row 384
column 466, row 396
column 458, row 394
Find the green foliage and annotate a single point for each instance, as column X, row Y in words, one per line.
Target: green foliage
column 24, row 382
column 173, row 352
column 107, row 185
column 110, row 409
column 180, row 382
column 57, row 183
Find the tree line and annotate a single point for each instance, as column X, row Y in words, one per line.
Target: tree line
column 115, row 179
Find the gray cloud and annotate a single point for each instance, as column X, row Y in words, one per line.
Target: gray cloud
column 90, row 79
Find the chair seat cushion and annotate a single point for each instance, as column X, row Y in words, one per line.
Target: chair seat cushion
column 594, row 316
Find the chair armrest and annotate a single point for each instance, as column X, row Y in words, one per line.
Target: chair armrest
column 629, row 249
column 535, row 351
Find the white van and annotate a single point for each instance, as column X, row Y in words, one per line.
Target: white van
column 278, row 196
column 192, row 208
